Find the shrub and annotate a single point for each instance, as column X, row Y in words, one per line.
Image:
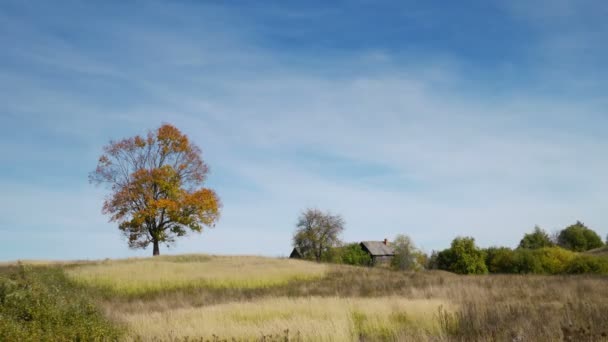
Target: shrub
column 547, row 260
column 527, row 261
column 587, row 264
column 40, row 304
column 500, row 260
column 353, row 254
column 331, row 255
column 554, row 260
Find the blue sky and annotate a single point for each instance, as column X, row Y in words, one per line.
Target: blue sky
column 480, row 118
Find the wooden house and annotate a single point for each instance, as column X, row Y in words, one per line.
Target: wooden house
column 381, row 251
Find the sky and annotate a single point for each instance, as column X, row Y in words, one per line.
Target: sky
column 433, row 119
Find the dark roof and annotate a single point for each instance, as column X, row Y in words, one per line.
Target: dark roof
column 295, row 253
column 378, row 248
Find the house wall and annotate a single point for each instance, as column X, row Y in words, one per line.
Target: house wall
column 382, row 260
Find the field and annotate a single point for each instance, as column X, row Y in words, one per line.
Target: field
column 140, row 276
column 198, row 297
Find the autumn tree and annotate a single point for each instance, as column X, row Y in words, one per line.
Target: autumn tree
column 317, row 232
column 157, row 187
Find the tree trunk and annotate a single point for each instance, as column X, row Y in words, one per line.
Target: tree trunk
column 156, row 250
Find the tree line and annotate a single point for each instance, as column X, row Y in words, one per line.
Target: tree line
column 317, row 237
column 537, row 253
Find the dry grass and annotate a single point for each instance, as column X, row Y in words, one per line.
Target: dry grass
column 140, row 276
column 486, row 308
column 312, row 319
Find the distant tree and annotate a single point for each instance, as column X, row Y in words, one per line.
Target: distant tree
column 537, row 239
column 157, row 187
column 432, row 262
column 353, row 254
column 317, row 232
column 579, row 238
column 463, row 257
column 500, row 260
column 407, row 256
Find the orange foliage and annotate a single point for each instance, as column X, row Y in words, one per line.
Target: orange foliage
column 157, row 187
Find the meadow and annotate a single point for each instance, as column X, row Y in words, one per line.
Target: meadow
column 143, row 276
column 210, row 298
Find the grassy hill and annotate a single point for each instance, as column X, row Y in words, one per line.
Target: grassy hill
column 246, row 298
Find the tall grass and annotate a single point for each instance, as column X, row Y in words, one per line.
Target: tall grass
column 482, row 308
column 312, row 319
column 140, row 276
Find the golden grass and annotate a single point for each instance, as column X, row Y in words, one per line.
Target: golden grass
column 138, row 276
column 312, row 318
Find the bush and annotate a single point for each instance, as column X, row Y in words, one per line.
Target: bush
column 463, row 257
column 332, row 255
column 579, row 238
column 587, row 264
column 501, row 260
column 40, row 304
column 554, row 260
column 548, row 260
column 527, row 261
column 353, row 254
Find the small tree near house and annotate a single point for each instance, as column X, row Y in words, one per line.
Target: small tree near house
column 407, row 256
column 316, row 233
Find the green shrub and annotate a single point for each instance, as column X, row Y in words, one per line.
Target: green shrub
column 527, row 261
column 587, row 264
column 500, row 260
column 332, row 255
column 548, row 260
column 554, row 260
column 41, row 304
column 353, row 254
